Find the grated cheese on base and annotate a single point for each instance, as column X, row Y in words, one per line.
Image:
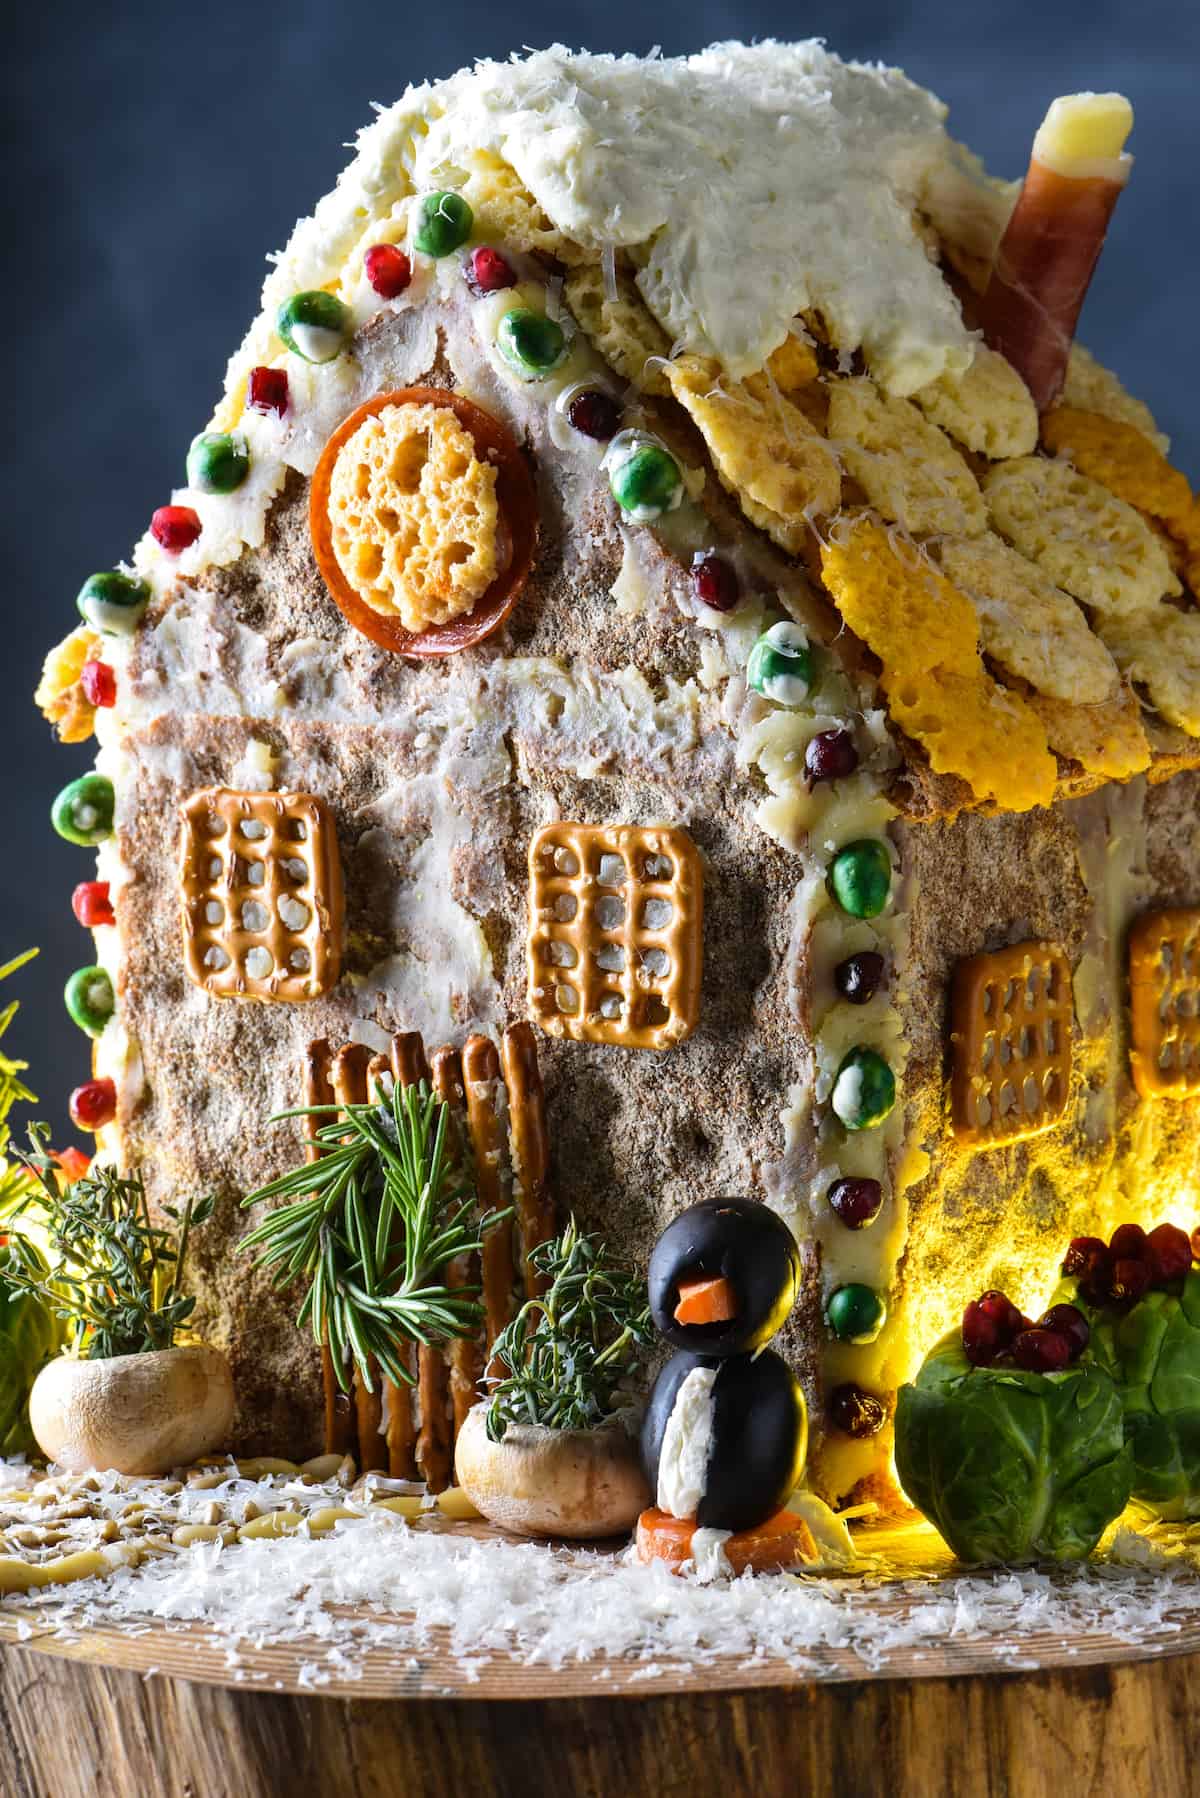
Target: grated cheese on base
column 413, row 1587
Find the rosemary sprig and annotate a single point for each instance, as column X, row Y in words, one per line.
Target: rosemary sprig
column 570, row 1351
column 372, row 1225
column 112, row 1275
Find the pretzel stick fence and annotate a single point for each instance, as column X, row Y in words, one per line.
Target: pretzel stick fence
column 446, row 1378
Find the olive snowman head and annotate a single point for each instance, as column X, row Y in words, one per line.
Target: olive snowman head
column 723, row 1276
column 724, row 1440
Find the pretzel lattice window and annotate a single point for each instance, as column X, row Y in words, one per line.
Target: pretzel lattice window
column 1164, row 996
column 261, row 890
column 615, row 933
column 1011, row 1017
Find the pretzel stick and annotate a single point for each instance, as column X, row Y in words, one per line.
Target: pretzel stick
column 350, row 1075
column 530, row 1148
column 339, row 1415
column 409, row 1067
column 463, row 1351
column 481, row 1071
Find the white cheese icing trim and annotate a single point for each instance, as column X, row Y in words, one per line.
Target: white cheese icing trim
column 687, row 1441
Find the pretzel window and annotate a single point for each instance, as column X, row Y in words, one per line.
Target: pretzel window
column 1011, row 1017
column 261, row 893
column 1164, row 994
column 615, row 933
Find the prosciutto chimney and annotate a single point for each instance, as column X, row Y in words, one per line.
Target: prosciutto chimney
column 1053, row 240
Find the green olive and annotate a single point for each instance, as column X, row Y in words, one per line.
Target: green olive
column 443, row 224
column 112, row 602
column 217, row 462
column 864, row 1089
column 644, row 478
column 90, row 999
column 855, row 1313
column 860, row 877
column 532, row 344
column 781, row 664
column 83, row 811
column 314, row 325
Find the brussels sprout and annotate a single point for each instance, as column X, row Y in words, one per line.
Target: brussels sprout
column 1011, row 1466
column 29, row 1336
column 1153, row 1354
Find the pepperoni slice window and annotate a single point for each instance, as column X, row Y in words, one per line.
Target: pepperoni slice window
column 423, row 501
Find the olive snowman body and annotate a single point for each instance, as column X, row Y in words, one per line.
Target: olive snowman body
column 739, row 1242
column 724, row 1438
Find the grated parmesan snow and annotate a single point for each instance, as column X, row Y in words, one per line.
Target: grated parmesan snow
column 552, row 1606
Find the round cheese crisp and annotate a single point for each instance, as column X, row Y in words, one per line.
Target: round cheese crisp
column 413, row 515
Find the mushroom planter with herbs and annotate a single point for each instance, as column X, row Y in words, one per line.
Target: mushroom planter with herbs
column 543, row 1482
column 555, row 1452
column 133, row 1414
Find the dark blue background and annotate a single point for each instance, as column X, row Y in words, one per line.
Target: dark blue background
column 153, row 156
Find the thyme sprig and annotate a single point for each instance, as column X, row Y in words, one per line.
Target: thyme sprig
column 571, row 1351
column 373, row 1225
column 112, row 1275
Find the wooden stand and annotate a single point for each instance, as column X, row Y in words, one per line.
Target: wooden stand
column 76, row 1726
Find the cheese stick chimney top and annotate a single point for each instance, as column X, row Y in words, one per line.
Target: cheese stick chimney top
column 1084, row 135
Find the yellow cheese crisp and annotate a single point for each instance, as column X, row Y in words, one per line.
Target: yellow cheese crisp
column 765, row 449
column 908, row 470
column 1085, row 538
column 414, row 518
column 925, row 633
column 896, row 601
column 988, row 408
column 1028, row 625
column 59, row 695
column 1160, row 650
column 1121, row 458
column 989, row 737
column 1108, row 739
column 623, row 329
column 1090, row 387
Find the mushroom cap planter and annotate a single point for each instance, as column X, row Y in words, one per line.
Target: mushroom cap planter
column 579, row 1484
column 137, row 1414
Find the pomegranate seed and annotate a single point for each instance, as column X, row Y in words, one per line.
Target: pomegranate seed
column 595, row 414
column 1085, row 1255
column 1170, row 1252
column 856, row 1202
column 99, row 684
column 93, row 1104
column 175, row 528
column 91, row 904
column 715, row 583
column 1041, row 1351
column 830, row 755
column 73, row 1163
column 1068, row 1321
column 1127, row 1243
column 268, row 390
column 858, row 1413
column 387, row 269
column 981, row 1338
column 1130, row 1279
column 487, row 271
column 857, row 978
column 1003, row 1313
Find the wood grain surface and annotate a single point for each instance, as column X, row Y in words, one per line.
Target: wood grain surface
column 74, row 1728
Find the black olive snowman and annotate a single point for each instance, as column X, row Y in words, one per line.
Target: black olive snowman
column 725, row 1432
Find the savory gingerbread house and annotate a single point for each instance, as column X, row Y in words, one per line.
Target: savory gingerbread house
column 659, row 638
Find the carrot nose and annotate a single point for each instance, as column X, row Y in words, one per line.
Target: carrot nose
column 705, row 1301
